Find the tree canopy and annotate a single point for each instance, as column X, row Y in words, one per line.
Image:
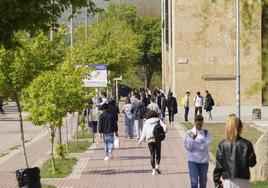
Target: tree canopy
column 33, row 15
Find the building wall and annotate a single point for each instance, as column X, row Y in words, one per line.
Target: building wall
column 211, row 53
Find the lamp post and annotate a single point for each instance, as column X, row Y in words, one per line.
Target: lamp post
column 238, row 105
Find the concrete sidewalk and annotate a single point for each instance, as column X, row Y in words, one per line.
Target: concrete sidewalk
column 131, row 167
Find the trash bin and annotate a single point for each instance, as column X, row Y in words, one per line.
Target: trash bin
column 28, row 178
column 93, row 126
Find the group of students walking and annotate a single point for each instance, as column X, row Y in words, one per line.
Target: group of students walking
column 199, row 103
column 235, row 155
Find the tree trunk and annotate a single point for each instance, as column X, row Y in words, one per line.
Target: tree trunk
column 52, row 134
column 67, row 132
column 21, row 129
column 148, row 76
column 77, row 125
column 60, row 142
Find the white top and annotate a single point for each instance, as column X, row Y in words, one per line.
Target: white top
column 127, row 110
column 148, row 129
column 104, row 101
column 187, row 101
column 153, row 107
column 198, row 149
column 199, row 101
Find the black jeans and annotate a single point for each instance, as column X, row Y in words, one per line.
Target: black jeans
column 171, row 116
column 155, row 151
column 197, row 109
column 186, row 113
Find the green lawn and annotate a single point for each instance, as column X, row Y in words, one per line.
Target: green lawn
column 64, row 167
column 78, row 147
column 48, row 186
column 217, row 133
column 85, row 135
column 260, row 184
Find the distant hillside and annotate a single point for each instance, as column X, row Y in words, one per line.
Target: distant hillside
column 144, row 8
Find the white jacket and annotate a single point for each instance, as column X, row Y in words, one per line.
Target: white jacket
column 148, row 129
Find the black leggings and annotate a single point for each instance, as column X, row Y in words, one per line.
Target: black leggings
column 155, row 151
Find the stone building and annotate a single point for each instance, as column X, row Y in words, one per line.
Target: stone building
column 199, row 51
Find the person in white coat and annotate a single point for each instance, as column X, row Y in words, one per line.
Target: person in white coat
column 148, row 136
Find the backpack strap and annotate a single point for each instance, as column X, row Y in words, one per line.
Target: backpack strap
column 206, row 132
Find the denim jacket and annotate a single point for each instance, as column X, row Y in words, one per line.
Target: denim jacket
column 198, row 149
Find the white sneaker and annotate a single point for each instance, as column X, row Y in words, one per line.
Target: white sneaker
column 154, row 172
column 106, row 158
column 111, row 155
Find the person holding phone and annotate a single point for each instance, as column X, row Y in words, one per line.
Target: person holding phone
column 197, row 143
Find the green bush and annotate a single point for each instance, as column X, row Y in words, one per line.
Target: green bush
column 260, row 184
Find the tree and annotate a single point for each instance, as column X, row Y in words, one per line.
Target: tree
column 32, row 15
column 18, row 67
column 51, row 95
column 150, row 29
column 111, row 42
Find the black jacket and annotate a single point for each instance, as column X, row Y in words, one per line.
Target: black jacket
column 107, row 123
column 172, row 104
column 233, row 160
column 209, row 103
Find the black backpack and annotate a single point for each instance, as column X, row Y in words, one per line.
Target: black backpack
column 140, row 111
column 159, row 133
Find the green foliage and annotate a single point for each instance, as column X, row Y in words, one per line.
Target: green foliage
column 83, row 135
column 33, row 15
column 260, row 184
column 61, row 151
column 54, row 93
column 149, row 28
column 20, row 66
column 48, row 186
column 79, row 146
column 111, row 42
column 64, row 167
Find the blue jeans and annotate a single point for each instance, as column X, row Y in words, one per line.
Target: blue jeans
column 198, row 174
column 108, row 140
column 129, row 126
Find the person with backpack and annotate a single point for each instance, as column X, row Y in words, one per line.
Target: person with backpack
column 172, row 107
column 209, row 103
column 199, row 102
column 154, row 133
column 197, row 143
column 139, row 111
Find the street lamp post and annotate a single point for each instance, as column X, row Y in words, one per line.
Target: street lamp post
column 238, row 58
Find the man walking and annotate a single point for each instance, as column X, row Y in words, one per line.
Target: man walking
column 185, row 102
column 107, row 128
column 199, row 102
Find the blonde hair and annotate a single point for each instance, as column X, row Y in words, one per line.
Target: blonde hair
column 233, row 128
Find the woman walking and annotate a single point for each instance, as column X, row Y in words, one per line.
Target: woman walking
column 234, row 157
column 197, row 143
column 209, row 103
column 128, row 119
column 172, row 107
column 148, row 134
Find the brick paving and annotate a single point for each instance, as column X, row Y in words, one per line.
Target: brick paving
column 130, row 167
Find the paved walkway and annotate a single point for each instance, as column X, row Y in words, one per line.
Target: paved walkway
column 129, row 168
